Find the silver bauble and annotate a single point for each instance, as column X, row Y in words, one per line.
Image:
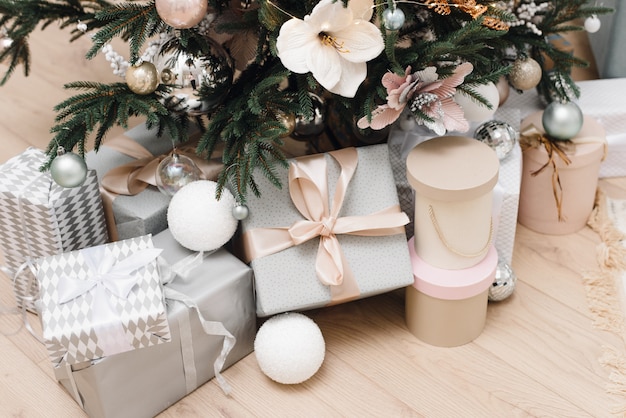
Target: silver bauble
column 393, row 18
column 68, row 169
column 500, row 136
column 503, row 284
column 306, row 128
column 240, row 212
column 199, row 83
column 562, row 121
column 176, row 171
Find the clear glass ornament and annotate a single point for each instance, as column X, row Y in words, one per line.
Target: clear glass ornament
column 503, row 284
column 176, row 171
column 68, row 169
column 393, row 18
column 500, row 136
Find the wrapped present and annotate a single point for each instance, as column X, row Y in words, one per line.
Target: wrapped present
column 142, row 383
column 126, row 166
column 335, row 234
column 39, row 218
column 101, row 301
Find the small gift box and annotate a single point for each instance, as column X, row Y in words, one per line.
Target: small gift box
column 39, row 218
column 335, row 234
column 559, row 178
column 101, row 301
column 211, row 314
column 126, row 166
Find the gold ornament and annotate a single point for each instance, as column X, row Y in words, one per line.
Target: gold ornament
column 142, row 79
column 288, row 121
column 525, row 74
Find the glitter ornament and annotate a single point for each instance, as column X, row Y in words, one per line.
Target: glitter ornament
column 592, row 24
column 306, row 128
column 143, row 78
column 68, row 169
column 525, row 74
column 240, row 212
column 475, row 111
column 181, row 14
column 176, row 171
column 562, row 121
column 393, row 18
column 197, row 220
column 503, row 284
column 289, row 348
column 199, row 83
column 500, row 136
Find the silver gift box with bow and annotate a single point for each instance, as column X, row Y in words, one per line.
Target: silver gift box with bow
column 102, row 301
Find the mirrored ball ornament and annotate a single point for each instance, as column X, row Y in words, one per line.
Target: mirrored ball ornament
column 562, row 121
column 393, row 18
column 68, row 169
column 176, row 171
column 500, row 136
column 503, row 284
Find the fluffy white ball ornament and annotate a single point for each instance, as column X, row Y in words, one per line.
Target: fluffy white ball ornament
column 197, row 220
column 289, row 348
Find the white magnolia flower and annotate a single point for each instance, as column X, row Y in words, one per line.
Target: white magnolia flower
column 334, row 43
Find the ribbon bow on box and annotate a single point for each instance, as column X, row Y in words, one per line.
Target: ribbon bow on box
column 308, row 188
column 135, row 176
column 108, row 279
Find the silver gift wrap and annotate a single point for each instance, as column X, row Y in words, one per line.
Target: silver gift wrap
column 287, row 280
column 146, row 212
column 39, row 218
column 103, row 300
column 144, row 382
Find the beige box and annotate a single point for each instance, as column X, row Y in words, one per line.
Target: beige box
column 453, row 178
column 448, row 308
column 549, row 183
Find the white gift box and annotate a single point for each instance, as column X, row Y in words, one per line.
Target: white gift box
column 40, row 218
column 378, row 259
column 101, row 301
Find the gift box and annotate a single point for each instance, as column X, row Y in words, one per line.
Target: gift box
column 142, row 383
column 333, row 233
column 448, row 308
column 40, row 218
column 453, row 178
column 559, row 179
column 101, row 301
column 126, row 166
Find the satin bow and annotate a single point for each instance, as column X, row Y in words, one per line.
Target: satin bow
column 107, row 278
column 308, row 188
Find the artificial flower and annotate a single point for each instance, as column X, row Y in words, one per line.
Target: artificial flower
column 425, row 94
column 334, row 43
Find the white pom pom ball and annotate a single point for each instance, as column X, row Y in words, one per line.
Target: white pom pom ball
column 197, row 220
column 289, row 348
column 475, row 111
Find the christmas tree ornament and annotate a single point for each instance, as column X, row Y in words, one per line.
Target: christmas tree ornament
column 68, row 169
column 289, row 348
column 592, row 24
column 306, row 128
column 393, row 18
column 174, row 172
column 198, row 220
column 407, row 121
column 525, row 74
column 503, row 90
column 288, row 121
column 562, row 121
column 476, row 111
column 143, row 78
column 240, row 212
column 500, row 136
column 181, row 14
column 503, row 284
column 200, row 83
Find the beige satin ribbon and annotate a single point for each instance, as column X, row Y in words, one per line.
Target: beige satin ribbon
column 532, row 137
column 135, row 176
column 308, row 188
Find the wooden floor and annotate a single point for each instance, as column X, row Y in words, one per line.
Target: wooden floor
column 538, row 355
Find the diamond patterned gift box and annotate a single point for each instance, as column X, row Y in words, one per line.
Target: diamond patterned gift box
column 40, row 218
column 101, row 301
